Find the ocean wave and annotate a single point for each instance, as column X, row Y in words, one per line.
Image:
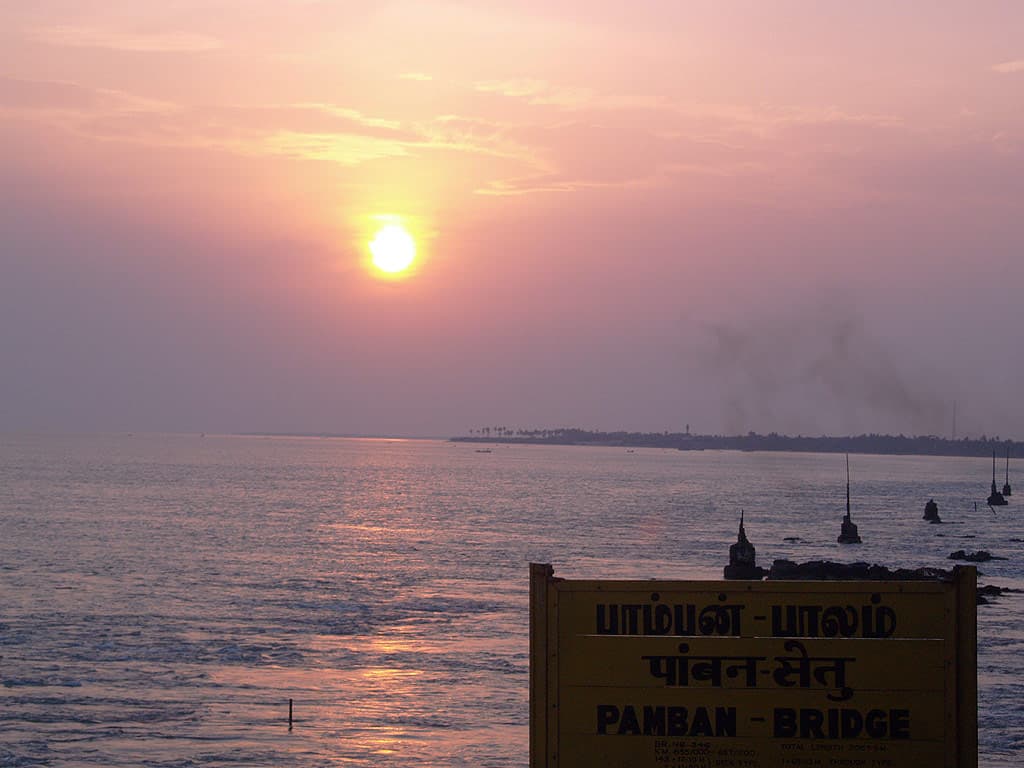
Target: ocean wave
column 39, row 682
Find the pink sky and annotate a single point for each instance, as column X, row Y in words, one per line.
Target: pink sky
column 791, row 216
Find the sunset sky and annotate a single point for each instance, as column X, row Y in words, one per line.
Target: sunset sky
column 804, row 217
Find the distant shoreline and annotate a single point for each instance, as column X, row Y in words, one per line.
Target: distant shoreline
column 885, row 445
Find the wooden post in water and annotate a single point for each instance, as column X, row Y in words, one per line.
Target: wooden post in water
column 289, row 714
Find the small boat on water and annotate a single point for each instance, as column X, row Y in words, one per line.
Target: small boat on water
column 1007, row 490
column 996, row 499
column 848, row 532
column 483, row 450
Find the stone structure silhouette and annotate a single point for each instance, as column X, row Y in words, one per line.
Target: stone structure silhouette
column 743, row 558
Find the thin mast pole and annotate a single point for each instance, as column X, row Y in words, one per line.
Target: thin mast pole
column 847, row 486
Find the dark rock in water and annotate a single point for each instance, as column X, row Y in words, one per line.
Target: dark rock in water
column 981, row 556
column 743, row 558
column 984, row 593
column 931, row 512
column 990, row 590
column 792, row 538
column 826, row 570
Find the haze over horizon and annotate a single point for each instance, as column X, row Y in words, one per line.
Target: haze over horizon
column 794, row 217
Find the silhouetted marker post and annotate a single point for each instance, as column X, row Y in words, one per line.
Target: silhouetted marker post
column 848, row 529
column 996, row 499
column 1007, row 490
column 289, row 714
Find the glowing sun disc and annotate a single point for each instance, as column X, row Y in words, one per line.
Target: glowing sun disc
column 393, row 249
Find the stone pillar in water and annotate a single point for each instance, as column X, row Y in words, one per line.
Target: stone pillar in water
column 743, row 558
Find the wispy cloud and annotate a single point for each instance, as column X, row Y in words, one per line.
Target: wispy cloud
column 476, row 136
column 61, row 96
column 553, row 148
column 720, row 142
column 537, row 92
column 345, row 149
column 415, row 76
column 326, row 110
column 1008, row 67
column 314, row 131
column 136, row 42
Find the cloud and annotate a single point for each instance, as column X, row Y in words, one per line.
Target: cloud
column 415, row 76
column 1008, row 67
column 624, row 147
column 345, row 149
column 48, row 96
column 302, row 130
column 136, row 42
column 311, row 117
column 537, row 92
column 589, row 140
column 476, row 136
column 553, row 148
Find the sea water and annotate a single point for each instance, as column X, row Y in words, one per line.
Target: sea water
column 163, row 597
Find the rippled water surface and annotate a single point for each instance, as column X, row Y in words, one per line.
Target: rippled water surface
column 163, row 597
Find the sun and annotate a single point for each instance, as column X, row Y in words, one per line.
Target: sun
column 393, row 249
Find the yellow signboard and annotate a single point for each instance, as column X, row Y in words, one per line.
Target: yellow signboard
column 667, row 674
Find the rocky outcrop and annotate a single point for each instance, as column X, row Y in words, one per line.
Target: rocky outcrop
column 826, row 570
column 981, row 556
column 990, row 590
